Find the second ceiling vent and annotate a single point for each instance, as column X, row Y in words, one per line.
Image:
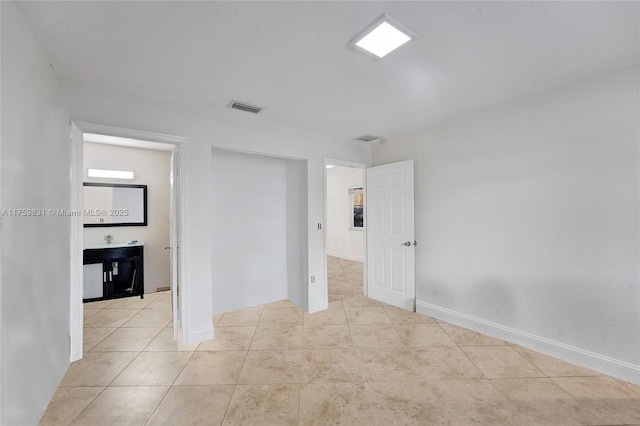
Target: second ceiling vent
column 243, row 106
column 370, row 139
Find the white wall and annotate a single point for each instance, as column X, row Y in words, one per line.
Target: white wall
column 527, row 221
column 207, row 126
column 35, row 167
column 258, row 218
column 35, row 251
column 249, row 230
column 341, row 240
column 151, row 168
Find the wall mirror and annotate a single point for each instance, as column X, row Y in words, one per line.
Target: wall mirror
column 112, row 204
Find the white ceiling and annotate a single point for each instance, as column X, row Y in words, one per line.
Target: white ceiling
column 293, row 58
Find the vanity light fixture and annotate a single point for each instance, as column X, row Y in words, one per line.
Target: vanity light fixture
column 111, row 174
column 383, row 36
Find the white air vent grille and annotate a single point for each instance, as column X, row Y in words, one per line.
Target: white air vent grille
column 243, row 106
column 369, row 138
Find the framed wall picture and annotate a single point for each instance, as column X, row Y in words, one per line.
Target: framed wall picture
column 356, row 208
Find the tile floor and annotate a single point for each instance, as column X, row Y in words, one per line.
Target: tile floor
column 358, row 363
column 345, row 278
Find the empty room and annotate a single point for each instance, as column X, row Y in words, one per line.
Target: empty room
column 373, row 213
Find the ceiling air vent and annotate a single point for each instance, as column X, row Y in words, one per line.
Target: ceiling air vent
column 370, row 139
column 243, row 106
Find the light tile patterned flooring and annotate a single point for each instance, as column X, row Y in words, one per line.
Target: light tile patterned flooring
column 358, row 363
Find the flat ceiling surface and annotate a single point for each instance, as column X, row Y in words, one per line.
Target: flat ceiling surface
column 294, row 58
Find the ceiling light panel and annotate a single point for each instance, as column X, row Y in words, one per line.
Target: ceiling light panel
column 382, row 37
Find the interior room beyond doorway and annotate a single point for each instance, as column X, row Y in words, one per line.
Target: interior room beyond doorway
column 345, row 232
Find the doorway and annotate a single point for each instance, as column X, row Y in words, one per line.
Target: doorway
column 106, row 148
column 389, row 244
column 345, row 234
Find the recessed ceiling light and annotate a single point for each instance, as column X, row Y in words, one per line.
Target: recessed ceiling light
column 383, row 36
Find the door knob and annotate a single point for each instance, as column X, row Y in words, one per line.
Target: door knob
column 408, row 243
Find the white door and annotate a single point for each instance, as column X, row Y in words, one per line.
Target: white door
column 390, row 234
column 175, row 232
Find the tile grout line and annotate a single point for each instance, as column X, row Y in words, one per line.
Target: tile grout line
column 89, row 404
column 132, row 360
column 355, row 348
column 100, row 341
column 418, row 375
column 586, row 407
column 108, row 385
column 172, row 384
column 235, row 386
column 84, row 351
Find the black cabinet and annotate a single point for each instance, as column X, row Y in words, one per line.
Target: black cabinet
column 113, row 272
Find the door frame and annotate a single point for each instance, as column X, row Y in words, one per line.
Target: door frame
column 78, row 128
column 355, row 165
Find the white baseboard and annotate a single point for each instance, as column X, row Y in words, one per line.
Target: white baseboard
column 198, row 336
column 345, row 256
column 600, row 363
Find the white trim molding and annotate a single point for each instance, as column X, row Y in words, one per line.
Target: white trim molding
column 600, row 363
column 75, row 246
column 198, row 336
column 130, row 133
